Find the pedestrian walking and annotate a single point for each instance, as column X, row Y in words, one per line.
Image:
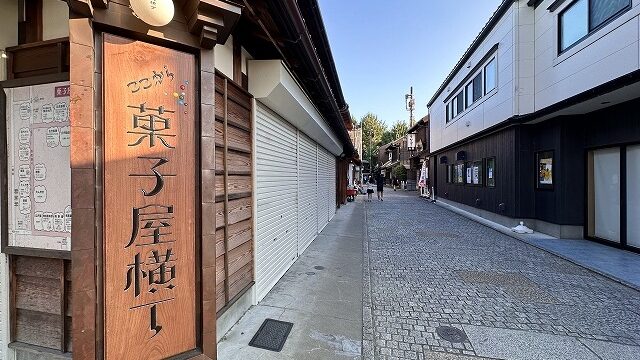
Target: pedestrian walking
column 370, row 189
column 380, row 186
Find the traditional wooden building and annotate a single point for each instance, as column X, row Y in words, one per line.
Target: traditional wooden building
column 419, row 156
column 163, row 164
column 538, row 121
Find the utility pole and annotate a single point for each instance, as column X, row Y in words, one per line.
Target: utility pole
column 370, row 154
column 410, row 105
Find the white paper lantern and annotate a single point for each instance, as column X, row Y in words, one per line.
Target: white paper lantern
column 153, row 12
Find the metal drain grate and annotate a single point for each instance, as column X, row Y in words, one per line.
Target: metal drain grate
column 451, row 334
column 272, row 335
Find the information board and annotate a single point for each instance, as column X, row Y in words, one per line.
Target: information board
column 39, row 172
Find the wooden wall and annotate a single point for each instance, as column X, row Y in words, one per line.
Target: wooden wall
column 501, row 146
column 233, row 192
column 41, row 302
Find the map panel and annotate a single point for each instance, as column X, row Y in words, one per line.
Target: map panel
column 39, row 172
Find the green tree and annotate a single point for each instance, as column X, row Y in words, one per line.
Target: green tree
column 372, row 130
column 387, row 137
column 400, row 172
column 399, row 129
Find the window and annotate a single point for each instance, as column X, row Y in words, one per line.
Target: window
column 585, row 16
column 491, row 172
column 468, row 94
column 458, row 176
column 473, row 91
column 574, row 23
column 477, row 87
column 476, row 173
column 460, row 102
column 602, row 11
column 454, row 107
column 490, row 76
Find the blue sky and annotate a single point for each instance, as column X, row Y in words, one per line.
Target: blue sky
column 381, row 48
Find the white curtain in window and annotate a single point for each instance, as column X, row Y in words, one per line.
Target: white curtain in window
column 606, row 180
column 633, row 196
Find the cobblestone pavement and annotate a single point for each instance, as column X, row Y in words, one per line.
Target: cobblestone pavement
column 427, row 267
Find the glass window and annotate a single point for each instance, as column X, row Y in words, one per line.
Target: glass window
column 602, row 10
column 477, row 87
column 490, row 76
column 460, row 101
column 454, row 106
column 469, row 94
column 448, row 112
column 476, row 173
column 491, row 172
column 573, row 23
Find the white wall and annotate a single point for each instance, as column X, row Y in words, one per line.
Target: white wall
column 224, row 57
column 491, row 109
column 55, row 19
column 245, row 57
column 606, row 54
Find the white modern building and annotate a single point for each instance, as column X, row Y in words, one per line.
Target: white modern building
column 538, row 120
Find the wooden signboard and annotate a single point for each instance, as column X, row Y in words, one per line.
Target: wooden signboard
column 149, row 200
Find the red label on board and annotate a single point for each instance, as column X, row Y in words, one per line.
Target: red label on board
column 62, row 91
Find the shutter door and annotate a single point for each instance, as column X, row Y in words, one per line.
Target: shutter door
column 324, row 158
column 276, row 192
column 332, row 187
column 307, row 191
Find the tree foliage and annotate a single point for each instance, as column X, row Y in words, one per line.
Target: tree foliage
column 400, row 172
column 387, row 137
column 372, row 129
column 399, row 129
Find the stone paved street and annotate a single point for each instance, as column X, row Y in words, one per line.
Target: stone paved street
column 426, row 267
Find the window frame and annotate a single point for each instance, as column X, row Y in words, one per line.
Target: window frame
column 590, row 30
column 484, row 77
column 480, row 77
column 479, row 74
column 493, row 171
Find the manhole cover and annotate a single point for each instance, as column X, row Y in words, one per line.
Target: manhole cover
column 271, row 335
column 451, row 334
column 319, row 267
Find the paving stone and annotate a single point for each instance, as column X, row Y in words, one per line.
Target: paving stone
column 613, row 351
column 427, row 267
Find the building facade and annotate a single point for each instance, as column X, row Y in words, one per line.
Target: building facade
column 419, row 157
column 538, row 120
column 162, row 166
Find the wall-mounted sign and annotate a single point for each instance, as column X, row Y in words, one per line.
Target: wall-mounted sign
column 149, row 200
column 544, row 161
column 39, row 173
column 411, row 142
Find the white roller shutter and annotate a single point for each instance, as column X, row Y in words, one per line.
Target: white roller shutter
column 307, row 191
column 276, row 193
column 324, row 158
column 332, row 187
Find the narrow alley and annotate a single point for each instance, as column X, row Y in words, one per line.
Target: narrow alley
column 511, row 300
